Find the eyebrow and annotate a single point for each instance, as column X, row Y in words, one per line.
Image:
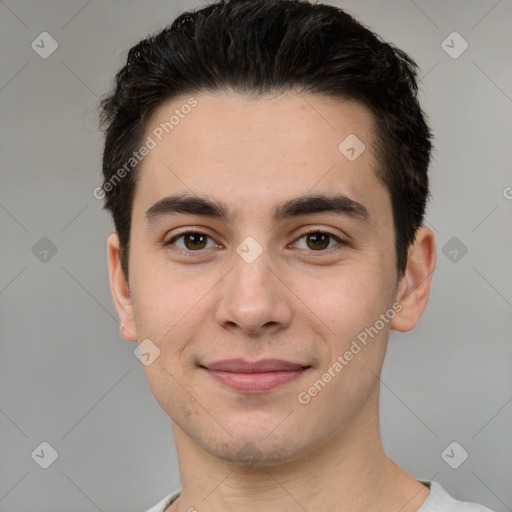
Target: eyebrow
column 302, row 205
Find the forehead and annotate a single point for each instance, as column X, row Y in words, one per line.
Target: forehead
column 256, row 150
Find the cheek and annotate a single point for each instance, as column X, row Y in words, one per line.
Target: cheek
column 169, row 309
column 161, row 297
column 346, row 301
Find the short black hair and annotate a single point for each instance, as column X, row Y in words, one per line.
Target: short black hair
column 258, row 47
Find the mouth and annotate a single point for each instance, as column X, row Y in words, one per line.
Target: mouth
column 255, row 376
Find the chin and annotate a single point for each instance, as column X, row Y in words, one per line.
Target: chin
column 255, row 452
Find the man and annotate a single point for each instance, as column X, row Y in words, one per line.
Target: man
column 265, row 165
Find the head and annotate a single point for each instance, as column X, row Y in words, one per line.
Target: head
column 219, row 124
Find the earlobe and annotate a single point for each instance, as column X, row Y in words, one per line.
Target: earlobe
column 414, row 287
column 120, row 290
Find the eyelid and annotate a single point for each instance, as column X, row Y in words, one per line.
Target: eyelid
column 189, row 231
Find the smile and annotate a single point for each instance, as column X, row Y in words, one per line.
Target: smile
column 255, row 377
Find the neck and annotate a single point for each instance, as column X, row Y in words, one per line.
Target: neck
column 347, row 472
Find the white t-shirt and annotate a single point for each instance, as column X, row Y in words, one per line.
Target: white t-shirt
column 438, row 500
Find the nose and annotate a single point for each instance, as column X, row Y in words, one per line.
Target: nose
column 254, row 300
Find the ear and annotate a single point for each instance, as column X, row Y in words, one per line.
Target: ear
column 414, row 287
column 120, row 290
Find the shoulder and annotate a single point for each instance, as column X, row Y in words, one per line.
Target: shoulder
column 440, row 501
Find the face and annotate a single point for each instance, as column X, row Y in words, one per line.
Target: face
column 253, row 300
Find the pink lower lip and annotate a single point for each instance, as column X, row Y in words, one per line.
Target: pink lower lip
column 257, row 381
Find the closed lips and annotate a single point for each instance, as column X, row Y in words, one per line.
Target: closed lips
column 262, row 366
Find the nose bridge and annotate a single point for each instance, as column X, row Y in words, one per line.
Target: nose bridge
column 252, row 269
column 251, row 278
column 252, row 296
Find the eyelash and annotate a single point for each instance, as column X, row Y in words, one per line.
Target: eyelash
column 312, row 231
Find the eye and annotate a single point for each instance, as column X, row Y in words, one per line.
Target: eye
column 192, row 241
column 319, row 240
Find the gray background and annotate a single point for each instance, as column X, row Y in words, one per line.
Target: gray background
column 66, row 375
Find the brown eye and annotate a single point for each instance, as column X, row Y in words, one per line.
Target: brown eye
column 319, row 240
column 192, row 241
column 195, row 241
